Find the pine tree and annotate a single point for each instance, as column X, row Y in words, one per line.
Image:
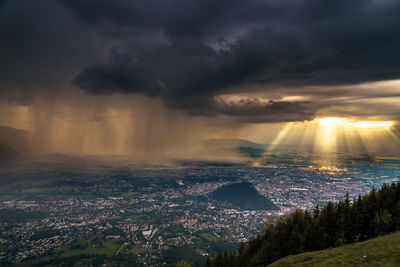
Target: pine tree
column 333, row 225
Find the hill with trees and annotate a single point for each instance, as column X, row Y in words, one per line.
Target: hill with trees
column 243, row 195
column 334, row 225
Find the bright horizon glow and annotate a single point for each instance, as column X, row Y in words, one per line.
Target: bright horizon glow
column 330, row 121
column 330, row 129
column 372, row 124
column 333, row 121
column 329, row 135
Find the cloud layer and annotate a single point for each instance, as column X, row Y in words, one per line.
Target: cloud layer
column 190, row 52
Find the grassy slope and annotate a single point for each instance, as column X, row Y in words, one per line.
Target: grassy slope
column 380, row 251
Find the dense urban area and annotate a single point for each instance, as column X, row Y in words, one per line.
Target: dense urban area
column 159, row 215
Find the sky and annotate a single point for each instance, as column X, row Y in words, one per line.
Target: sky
column 158, row 77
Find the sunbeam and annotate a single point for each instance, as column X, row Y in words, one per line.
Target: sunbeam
column 329, row 136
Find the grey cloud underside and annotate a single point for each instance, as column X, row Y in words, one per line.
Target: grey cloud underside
column 188, row 52
column 216, row 45
column 41, row 48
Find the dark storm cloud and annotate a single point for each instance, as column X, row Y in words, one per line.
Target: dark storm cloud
column 41, row 47
column 24, row 98
column 214, row 46
column 254, row 110
column 188, row 52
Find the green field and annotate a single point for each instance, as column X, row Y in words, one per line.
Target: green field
column 108, row 248
column 139, row 250
column 380, row 251
column 94, row 247
column 129, row 194
column 32, row 262
column 209, row 237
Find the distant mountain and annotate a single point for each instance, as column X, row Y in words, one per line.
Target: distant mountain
column 15, row 139
column 229, row 143
column 243, row 195
column 241, row 146
column 8, row 155
column 12, row 133
column 251, row 152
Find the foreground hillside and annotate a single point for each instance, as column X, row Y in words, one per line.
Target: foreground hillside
column 334, row 225
column 380, row 251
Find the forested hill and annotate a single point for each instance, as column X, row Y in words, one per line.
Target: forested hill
column 333, row 225
column 243, row 195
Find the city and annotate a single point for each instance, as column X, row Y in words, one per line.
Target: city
column 148, row 213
